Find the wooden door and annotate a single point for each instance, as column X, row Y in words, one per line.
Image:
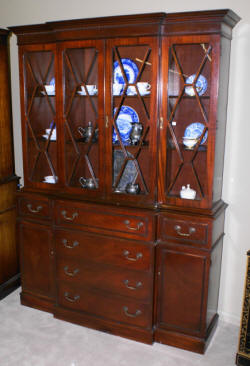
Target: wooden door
column 181, row 289
column 36, row 256
column 131, row 119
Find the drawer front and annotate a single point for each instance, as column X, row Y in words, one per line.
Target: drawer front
column 104, row 250
column 119, row 309
column 183, row 230
column 118, row 222
column 134, row 284
column 34, row 207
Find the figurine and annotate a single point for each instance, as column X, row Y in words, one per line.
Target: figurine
column 187, row 192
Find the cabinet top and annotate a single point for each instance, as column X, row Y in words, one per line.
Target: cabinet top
column 152, row 24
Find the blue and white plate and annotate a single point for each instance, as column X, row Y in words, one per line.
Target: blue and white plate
column 130, row 69
column 195, row 130
column 201, row 85
column 125, row 118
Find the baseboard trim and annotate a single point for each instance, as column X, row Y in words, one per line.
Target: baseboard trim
column 9, row 286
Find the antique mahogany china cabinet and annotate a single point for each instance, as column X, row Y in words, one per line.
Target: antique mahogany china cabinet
column 9, row 266
column 120, row 217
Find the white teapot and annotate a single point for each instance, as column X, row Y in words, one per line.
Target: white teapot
column 187, row 192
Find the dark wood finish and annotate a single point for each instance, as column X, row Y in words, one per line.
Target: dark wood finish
column 243, row 354
column 9, row 267
column 145, row 264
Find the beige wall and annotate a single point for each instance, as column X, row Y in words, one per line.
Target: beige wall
column 237, row 161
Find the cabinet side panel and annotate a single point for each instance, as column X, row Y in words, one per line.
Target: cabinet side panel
column 221, row 117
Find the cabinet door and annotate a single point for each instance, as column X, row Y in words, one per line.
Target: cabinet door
column 188, row 120
column 38, row 92
column 36, row 254
column 82, row 69
column 181, row 290
column 131, row 119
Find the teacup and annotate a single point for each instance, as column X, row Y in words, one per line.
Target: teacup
column 190, row 142
column 117, row 88
column 53, row 135
column 50, row 179
column 50, row 89
column 92, row 89
column 144, row 87
column 132, row 188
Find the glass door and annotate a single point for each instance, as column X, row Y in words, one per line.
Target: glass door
column 82, row 111
column 131, row 118
column 188, row 121
column 40, row 147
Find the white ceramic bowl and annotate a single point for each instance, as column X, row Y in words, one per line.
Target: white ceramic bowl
column 190, row 142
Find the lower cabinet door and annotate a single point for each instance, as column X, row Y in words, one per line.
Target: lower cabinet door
column 181, row 290
column 36, row 256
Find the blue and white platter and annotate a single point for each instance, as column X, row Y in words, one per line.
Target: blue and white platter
column 125, row 118
column 130, row 69
column 201, row 85
column 195, row 130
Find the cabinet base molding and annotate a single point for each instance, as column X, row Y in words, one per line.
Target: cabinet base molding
column 36, row 302
column 9, row 286
column 184, row 341
column 126, row 331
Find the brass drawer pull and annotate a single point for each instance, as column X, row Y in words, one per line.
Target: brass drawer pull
column 178, row 230
column 64, row 213
column 70, row 273
column 65, row 243
column 71, row 299
column 126, row 254
column 127, row 223
column 137, row 285
column 137, row 313
column 36, row 210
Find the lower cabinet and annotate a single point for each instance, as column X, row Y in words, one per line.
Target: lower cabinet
column 37, row 268
column 151, row 278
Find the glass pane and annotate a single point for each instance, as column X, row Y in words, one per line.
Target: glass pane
column 81, row 117
column 131, row 97
column 40, row 116
column 188, row 120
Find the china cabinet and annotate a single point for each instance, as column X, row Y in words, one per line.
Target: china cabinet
column 9, row 268
column 121, row 218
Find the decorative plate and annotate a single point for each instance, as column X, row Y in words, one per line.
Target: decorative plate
column 52, row 82
column 126, row 117
column 129, row 173
column 130, row 69
column 195, row 130
column 201, row 85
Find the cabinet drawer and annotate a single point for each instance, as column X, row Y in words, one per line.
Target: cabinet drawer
column 118, row 222
column 110, row 307
column 185, row 230
column 35, row 207
column 134, row 284
column 105, row 250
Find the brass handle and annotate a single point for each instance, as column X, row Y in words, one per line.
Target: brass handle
column 127, row 223
column 161, row 123
column 138, row 284
column 38, row 209
column 191, row 230
column 137, row 313
column 65, row 243
column 106, row 121
column 126, row 254
column 70, row 273
column 64, row 213
column 71, row 299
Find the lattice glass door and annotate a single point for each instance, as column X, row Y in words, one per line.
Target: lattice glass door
column 41, row 137
column 188, row 126
column 82, row 108
column 133, row 125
